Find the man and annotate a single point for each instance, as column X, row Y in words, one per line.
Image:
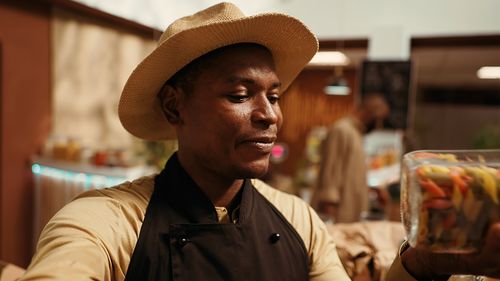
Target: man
column 341, row 192
column 214, row 81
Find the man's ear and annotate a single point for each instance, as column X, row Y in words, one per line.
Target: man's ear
column 170, row 98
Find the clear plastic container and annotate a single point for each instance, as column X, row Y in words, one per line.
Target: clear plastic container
column 448, row 198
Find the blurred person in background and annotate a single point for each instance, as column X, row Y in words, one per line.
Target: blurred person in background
column 213, row 82
column 341, row 192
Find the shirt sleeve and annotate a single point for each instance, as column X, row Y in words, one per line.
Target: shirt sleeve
column 324, row 259
column 71, row 247
column 94, row 236
column 397, row 272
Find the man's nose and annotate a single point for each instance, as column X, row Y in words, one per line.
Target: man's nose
column 264, row 112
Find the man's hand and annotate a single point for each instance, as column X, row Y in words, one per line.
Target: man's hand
column 425, row 265
column 487, row 261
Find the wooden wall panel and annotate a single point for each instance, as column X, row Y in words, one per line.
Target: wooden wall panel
column 1, row 145
column 305, row 106
column 25, row 119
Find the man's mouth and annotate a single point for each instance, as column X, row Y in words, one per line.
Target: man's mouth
column 263, row 143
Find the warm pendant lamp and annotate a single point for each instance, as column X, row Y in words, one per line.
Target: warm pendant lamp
column 337, row 85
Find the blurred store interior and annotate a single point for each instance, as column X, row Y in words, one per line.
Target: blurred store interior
column 64, row 63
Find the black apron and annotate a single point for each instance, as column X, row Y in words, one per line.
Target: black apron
column 181, row 238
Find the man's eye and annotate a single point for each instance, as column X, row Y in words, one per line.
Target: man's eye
column 237, row 98
column 273, row 98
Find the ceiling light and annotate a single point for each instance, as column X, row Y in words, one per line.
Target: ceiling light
column 489, row 72
column 329, row 58
column 338, row 87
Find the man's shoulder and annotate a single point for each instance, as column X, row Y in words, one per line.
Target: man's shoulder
column 298, row 213
column 102, row 213
column 127, row 200
column 294, row 209
column 281, row 200
column 345, row 129
column 137, row 191
column 345, row 124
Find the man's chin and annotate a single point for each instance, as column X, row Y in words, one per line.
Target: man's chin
column 254, row 170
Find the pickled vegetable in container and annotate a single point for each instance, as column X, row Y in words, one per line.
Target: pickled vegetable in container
column 449, row 198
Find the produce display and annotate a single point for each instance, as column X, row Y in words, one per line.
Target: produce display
column 451, row 199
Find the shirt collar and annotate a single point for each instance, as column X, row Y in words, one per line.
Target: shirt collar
column 187, row 200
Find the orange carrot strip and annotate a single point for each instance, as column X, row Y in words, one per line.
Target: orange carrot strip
column 431, row 187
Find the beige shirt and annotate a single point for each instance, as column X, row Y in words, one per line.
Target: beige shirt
column 342, row 176
column 93, row 237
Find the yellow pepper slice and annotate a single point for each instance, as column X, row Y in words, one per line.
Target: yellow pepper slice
column 457, row 197
column 486, row 180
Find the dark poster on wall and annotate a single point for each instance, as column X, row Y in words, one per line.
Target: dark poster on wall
column 393, row 80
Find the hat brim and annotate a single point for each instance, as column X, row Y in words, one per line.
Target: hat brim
column 291, row 43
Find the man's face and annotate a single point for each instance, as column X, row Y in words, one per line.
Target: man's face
column 230, row 119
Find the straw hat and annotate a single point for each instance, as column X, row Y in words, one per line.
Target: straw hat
column 291, row 43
